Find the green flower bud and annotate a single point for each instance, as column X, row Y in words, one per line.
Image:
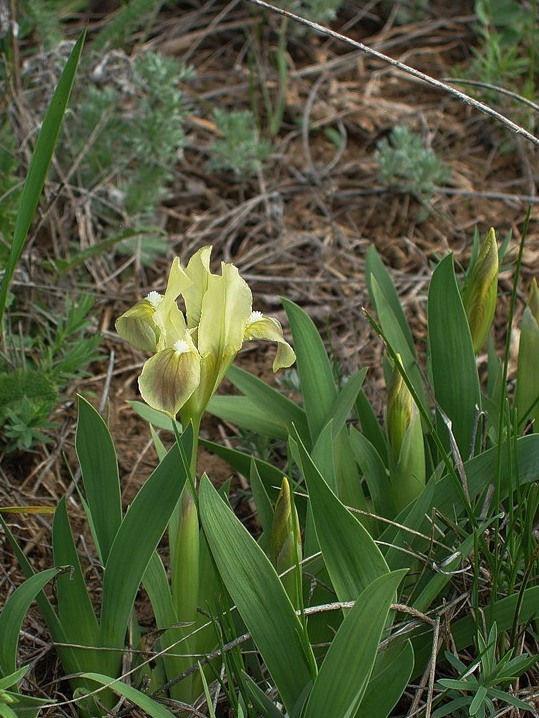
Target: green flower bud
column 406, row 447
column 285, row 545
column 481, row 290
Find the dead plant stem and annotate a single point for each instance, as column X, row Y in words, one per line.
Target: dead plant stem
column 463, row 97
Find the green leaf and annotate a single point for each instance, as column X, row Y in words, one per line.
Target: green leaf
column 271, row 476
column 262, row 703
column 243, row 413
column 464, row 631
column 158, row 589
column 143, row 701
column 352, row 558
column 375, row 268
column 75, row 610
column 344, row 403
column 136, row 541
column 259, row 596
column 347, row 667
column 262, row 500
column 97, row 457
column 12, row 679
column 39, row 166
column 370, row 427
column 154, row 417
column 375, row 472
column 395, row 337
column 481, row 471
column 389, row 680
column 452, row 357
column 13, row 614
column 274, row 404
column 45, row 607
column 314, row 369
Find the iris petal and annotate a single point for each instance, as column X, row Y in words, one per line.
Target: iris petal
column 169, row 378
column 269, row 329
column 137, row 326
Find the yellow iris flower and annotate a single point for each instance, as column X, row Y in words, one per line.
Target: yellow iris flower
column 192, row 351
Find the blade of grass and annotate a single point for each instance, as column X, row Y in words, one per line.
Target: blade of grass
column 75, row 610
column 390, row 678
column 270, row 475
column 39, row 166
column 135, row 542
column 352, row 558
column 275, row 405
column 452, row 357
column 13, row 614
column 259, row 596
column 143, row 701
column 245, row 414
column 347, row 667
column 374, row 267
column 375, row 471
column 97, row 458
column 314, row 369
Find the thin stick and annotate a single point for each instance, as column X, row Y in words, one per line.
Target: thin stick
column 517, row 129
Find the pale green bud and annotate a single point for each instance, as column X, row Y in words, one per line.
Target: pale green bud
column 527, row 391
column 186, row 557
column 285, row 545
column 6, row 698
column 406, row 446
column 481, row 290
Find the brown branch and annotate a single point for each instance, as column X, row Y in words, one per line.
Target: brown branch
column 517, row 129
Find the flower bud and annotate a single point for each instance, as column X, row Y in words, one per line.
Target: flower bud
column 406, row 447
column 481, row 290
column 285, row 545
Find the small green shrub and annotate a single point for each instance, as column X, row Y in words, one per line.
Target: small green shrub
column 48, row 358
column 240, row 148
column 407, row 164
column 127, row 171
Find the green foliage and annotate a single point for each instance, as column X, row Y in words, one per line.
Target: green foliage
column 319, row 454
column 142, row 159
column 482, row 682
column 72, row 621
column 38, row 362
column 407, row 164
column 52, row 354
column 508, row 50
column 239, row 148
column 39, row 166
column 320, row 11
column 134, row 14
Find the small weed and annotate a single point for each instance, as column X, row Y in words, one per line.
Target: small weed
column 37, row 367
column 482, row 682
column 240, row 148
column 407, row 164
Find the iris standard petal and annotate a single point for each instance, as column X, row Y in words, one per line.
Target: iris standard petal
column 198, row 271
column 226, row 307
